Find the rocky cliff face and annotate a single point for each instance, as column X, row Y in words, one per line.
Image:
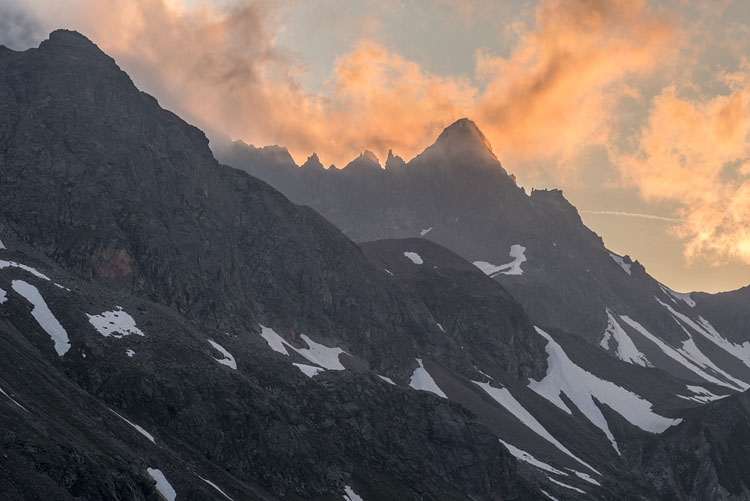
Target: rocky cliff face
column 457, row 194
column 164, row 393
column 706, row 455
column 123, row 203
column 128, row 195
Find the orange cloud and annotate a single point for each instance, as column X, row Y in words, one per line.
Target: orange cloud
column 222, row 69
column 556, row 92
column 696, row 151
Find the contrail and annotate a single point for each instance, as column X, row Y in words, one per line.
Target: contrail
column 633, row 214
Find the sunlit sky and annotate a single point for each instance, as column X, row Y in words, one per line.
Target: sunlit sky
column 639, row 111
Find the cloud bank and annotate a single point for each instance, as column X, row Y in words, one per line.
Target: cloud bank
column 558, row 91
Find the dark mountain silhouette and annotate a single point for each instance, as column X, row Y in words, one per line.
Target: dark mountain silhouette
column 173, row 326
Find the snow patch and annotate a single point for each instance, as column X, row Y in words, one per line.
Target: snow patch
column 162, row 485
column 13, row 400
column 421, row 380
column 321, row 355
column 350, row 495
column 425, row 231
column 483, row 373
column 386, row 379
column 528, row 458
column 617, row 259
column 130, row 353
column 43, row 315
column 388, row 271
column 3, row 296
column 414, row 257
column 137, row 428
column 582, row 387
column 215, row 487
column 701, row 395
column 13, row 264
column 626, row 349
column 549, row 496
column 517, row 252
column 316, row 353
column 704, row 328
column 691, row 351
column 565, row 485
column 276, row 342
column 685, row 297
column 509, row 403
column 436, row 323
column 586, row 477
column 2, row 247
column 309, row 370
column 681, row 356
column 228, row 359
column 117, row 324
column 488, row 269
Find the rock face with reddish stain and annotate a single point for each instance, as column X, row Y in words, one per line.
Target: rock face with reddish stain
column 111, row 262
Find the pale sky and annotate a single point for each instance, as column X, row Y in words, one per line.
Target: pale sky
column 632, row 108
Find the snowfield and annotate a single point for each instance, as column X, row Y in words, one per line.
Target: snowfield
column 704, row 328
column 117, row 324
column 582, row 387
column 421, row 380
column 625, row 349
column 44, row 316
column 509, row 403
column 689, row 357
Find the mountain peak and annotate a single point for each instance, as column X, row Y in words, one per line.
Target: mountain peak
column 463, row 133
column 394, row 161
column 69, row 38
column 313, row 162
column 366, row 160
column 370, row 156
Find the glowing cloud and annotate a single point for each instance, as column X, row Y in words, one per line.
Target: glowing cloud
column 556, row 92
column 697, row 151
column 221, row 68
